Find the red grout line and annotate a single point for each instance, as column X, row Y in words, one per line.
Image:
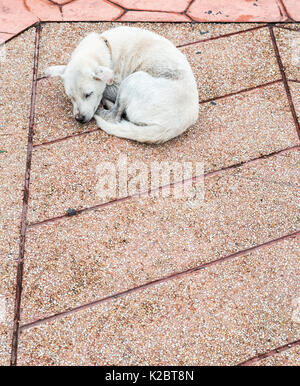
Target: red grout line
column 242, row 91
column 19, row 278
column 66, row 138
column 158, row 281
column 285, row 82
column 224, row 36
column 201, row 102
column 143, row 194
column 270, row 353
column 286, row 28
column 253, row 160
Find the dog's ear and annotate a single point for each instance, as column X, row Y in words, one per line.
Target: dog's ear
column 55, row 71
column 105, row 74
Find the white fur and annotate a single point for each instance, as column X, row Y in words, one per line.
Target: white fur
column 149, row 81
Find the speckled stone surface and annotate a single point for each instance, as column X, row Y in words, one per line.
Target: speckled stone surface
column 221, row 315
column 289, row 47
column 54, row 113
column 233, row 63
column 78, row 260
column 15, row 78
column 290, row 357
column 229, row 131
column 59, row 40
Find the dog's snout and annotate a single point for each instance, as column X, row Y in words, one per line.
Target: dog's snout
column 80, row 118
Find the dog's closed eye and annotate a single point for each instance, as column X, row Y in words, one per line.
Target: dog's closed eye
column 88, row 95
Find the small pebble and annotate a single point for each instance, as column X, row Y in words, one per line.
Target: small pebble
column 71, row 212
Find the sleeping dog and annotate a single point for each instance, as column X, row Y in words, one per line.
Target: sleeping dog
column 135, row 83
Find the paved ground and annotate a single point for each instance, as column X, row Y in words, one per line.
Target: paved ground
column 152, row 279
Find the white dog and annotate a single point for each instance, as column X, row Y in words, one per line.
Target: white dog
column 145, row 82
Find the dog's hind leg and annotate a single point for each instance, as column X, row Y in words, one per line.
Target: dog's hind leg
column 114, row 114
column 108, row 104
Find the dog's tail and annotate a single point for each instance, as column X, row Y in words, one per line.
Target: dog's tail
column 140, row 133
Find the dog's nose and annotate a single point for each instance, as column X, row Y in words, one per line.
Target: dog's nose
column 80, row 118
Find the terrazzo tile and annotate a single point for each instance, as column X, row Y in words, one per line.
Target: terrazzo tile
column 54, row 113
column 290, row 357
column 289, row 48
column 238, row 11
column 16, row 81
column 222, row 315
column 77, row 260
column 13, row 144
column 293, row 9
column 233, row 63
column 59, row 40
column 232, row 130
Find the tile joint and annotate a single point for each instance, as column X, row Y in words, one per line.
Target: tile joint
column 20, row 265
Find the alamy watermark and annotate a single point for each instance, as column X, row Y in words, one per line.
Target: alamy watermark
column 158, row 179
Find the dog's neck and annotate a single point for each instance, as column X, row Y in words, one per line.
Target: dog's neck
column 107, row 58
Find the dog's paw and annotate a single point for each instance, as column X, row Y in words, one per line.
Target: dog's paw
column 52, row 71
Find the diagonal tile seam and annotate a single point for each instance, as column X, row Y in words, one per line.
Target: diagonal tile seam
column 171, row 185
column 201, row 102
column 15, row 35
column 244, row 90
column 285, row 81
column 224, row 36
column 270, row 353
column 153, row 283
column 286, row 28
column 20, row 265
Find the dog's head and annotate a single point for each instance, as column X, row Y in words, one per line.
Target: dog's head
column 84, row 85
